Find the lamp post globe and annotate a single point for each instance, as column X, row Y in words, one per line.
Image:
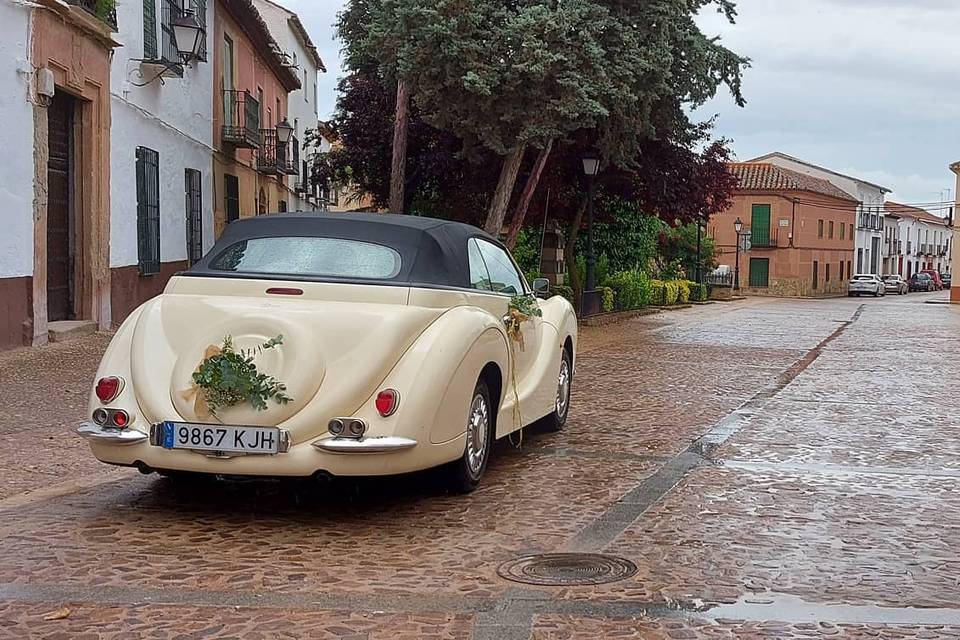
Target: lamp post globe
column 189, row 35
column 738, row 225
column 284, row 132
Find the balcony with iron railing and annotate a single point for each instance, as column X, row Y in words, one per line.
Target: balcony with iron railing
column 273, row 157
column 106, row 12
column 764, row 238
column 241, row 120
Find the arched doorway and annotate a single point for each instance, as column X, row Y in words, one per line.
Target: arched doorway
column 262, row 203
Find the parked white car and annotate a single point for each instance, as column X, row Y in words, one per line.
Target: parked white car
column 868, row 283
column 896, row 284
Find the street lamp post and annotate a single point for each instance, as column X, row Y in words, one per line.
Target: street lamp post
column 699, row 249
column 738, row 226
column 591, row 166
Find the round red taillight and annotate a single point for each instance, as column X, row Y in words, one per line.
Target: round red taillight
column 388, row 401
column 121, row 418
column 109, row 388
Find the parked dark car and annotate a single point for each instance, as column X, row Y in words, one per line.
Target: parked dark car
column 947, row 280
column 922, row 282
column 935, row 276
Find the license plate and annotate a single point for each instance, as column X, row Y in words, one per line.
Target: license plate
column 212, row 437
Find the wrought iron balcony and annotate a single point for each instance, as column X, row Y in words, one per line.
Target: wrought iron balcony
column 273, row 158
column 764, row 238
column 105, row 11
column 241, row 119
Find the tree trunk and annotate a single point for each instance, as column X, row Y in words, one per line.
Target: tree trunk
column 527, row 196
column 398, row 168
column 569, row 251
column 501, row 197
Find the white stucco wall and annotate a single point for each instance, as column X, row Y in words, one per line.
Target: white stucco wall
column 923, row 232
column 175, row 119
column 16, row 141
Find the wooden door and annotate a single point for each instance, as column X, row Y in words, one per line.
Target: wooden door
column 60, row 209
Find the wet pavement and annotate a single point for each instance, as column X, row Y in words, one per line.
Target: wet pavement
column 775, row 469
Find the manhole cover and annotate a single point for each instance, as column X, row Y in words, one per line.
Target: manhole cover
column 567, row 569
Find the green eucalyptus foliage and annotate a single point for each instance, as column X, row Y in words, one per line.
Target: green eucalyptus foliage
column 501, row 75
column 230, row 378
column 525, row 304
column 527, row 250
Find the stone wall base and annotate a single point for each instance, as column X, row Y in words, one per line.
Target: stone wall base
column 16, row 312
column 128, row 289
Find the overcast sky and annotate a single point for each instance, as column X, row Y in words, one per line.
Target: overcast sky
column 864, row 87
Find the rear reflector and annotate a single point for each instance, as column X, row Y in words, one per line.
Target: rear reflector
column 109, row 388
column 388, row 401
column 121, row 418
column 280, row 291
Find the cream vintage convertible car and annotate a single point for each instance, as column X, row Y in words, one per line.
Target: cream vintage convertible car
column 343, row 344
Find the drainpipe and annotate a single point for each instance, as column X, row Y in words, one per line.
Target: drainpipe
column 793, row 223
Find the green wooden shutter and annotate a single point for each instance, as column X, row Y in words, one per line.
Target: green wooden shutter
column 231, row 197
column 760, row 225
column 759, row 272
column 148, row 211
column 150, row 29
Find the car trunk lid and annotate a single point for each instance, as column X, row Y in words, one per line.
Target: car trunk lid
column 339, row 341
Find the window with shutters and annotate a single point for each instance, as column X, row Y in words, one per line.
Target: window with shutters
column 231, row 197
column 148, row 211
column 199, row 8
column 194, row 211
column 759, row 272
column 760, row 225
column 150, row 29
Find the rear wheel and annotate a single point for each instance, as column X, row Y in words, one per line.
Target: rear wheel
column 561, row 409
column 465, row 473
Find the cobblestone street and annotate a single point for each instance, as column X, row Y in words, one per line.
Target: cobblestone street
column 774, row 468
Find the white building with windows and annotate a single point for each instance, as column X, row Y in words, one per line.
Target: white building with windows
column 869, row 246
column 299, row 52
column 161, row 148
column 923, row 241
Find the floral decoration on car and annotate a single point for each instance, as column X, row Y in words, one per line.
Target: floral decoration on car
column 227, row 377
column 520, row 309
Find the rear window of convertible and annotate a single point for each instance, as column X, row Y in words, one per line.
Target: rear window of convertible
column 310, row 257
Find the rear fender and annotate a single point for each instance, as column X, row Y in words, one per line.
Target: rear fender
column 437, row 375
column 116, row 362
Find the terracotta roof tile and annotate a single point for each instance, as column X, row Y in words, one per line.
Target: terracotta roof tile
column 763, row 176
column 906, row 211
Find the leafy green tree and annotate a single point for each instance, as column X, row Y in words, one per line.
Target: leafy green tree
column 506, row 76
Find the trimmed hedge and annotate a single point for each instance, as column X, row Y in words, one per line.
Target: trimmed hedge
column 698, row 292
column 631, row 289
column 607, row 302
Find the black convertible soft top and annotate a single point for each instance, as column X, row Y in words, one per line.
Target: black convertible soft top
column 433, row 252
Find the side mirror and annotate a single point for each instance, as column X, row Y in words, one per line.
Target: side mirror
column 541, row 287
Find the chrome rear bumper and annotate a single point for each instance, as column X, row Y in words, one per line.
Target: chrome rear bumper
column 388, row 444
column 95, row 432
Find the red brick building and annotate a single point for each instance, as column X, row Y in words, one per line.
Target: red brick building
column 801, row 232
